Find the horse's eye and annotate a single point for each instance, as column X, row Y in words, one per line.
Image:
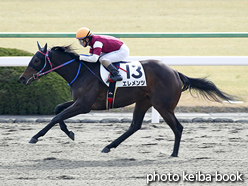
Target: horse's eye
column 36, row 61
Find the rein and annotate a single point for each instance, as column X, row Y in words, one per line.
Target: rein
column 93, row 73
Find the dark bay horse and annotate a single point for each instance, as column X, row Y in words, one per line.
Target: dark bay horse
column 163, row 91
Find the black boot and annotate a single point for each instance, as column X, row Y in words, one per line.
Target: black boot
column 114, row 76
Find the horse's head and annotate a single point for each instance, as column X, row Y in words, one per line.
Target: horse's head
column 37, row 64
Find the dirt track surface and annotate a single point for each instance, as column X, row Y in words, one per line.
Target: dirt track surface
column 206, row 148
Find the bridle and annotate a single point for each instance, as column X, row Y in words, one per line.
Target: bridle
column 48, row 61
column 41, row 73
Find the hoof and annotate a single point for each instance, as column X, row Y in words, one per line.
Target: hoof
column 106, row 150
column 174, row 156
column 33, row 140
column 72, row 135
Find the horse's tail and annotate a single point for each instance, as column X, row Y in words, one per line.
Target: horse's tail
column 205, row 88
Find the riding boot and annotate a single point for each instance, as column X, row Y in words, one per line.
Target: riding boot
column 114, row 73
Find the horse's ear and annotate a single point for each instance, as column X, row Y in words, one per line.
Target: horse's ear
column 45, row 48
column 39, row 45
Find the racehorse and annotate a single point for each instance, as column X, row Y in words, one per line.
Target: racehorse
column 163, row 91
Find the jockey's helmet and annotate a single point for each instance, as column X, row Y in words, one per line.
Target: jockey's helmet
column 83, row 33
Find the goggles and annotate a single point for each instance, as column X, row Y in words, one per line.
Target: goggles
column 81, row 41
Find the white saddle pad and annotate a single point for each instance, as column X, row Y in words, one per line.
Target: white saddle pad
column 132, row 72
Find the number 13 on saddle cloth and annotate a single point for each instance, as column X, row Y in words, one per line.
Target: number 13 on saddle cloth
column 132, row 72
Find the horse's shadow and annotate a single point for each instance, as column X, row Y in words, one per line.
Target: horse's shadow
column 119, row 162
column 52, row 163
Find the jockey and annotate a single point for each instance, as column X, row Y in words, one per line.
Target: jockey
column 106, row 49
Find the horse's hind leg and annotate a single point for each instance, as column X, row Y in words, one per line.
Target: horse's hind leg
column 139, row 112
column 176, row 127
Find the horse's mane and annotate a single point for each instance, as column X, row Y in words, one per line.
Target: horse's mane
column 65, row 49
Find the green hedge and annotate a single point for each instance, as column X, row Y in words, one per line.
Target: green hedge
column 38, row 98
column 14, row 52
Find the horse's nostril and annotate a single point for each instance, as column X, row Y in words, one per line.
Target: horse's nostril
column 22, row 80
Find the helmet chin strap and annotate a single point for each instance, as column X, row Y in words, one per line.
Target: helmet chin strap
column 87, row 43
column 88, row 36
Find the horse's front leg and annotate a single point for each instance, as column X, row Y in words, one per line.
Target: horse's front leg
column 59, row 108
column 71, row 111
column 63, row 127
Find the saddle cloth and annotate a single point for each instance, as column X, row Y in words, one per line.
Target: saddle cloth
column 132, row 72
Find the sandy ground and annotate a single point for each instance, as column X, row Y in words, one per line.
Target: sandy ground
column 206, row 148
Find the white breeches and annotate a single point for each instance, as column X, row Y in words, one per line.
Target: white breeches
column 115, row 56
